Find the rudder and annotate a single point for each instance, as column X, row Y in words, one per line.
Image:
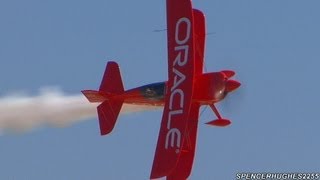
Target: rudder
column 112, row 81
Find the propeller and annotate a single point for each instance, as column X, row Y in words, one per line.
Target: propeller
column 232, row 103
column 228, row 73
column 232, row 85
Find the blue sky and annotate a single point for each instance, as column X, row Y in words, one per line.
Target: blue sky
column 274, row 46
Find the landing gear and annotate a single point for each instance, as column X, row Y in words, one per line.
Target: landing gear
column 220, row 121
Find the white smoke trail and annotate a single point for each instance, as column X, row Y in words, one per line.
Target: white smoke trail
column 19, row 113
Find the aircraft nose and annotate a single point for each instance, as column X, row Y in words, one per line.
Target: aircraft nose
column 232, row 85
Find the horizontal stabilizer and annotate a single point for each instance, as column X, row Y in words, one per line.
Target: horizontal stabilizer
column 110, row 87
column 108, row 113
column 94, row 96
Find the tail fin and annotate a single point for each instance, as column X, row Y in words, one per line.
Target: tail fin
column 111, row 81
column 111, row 85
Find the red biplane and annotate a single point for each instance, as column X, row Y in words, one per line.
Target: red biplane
column 187, row 88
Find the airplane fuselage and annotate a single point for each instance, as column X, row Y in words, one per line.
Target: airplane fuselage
column 209, row 89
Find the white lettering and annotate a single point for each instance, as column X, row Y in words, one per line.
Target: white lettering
column 178, row 79
column 175, row 139
column 185, row 49
column 188, row 28
column 171, row 113
column 173, row 136
column 176, row 92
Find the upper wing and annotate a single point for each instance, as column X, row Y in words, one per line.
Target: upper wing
column 179, row 90
column 199, row 38
column 184, row 166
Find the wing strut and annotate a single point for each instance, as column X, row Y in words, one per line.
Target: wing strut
column 215, row 110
